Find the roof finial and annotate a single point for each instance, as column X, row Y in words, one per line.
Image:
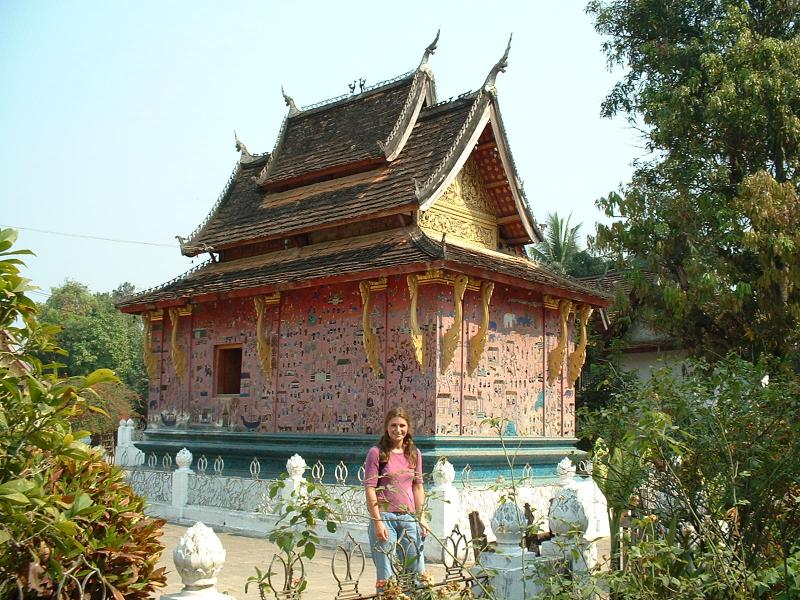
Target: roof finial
column 240, row 147
column 293, row 110
column 500, row 67
column 430, row 49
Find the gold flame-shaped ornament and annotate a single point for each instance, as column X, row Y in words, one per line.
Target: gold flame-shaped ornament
column 370, row 339
column 453, row 335
column 558, row 353
column 416, row 332
column 178, row 358
column 478, row 341
column 578, row 356
column 262, row 342
column 150, row 363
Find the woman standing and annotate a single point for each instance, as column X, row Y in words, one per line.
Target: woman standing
column 395, row 497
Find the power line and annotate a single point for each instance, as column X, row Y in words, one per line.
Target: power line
column 91, row 237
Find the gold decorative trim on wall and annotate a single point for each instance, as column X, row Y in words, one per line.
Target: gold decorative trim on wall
column 416, row 332
column 178, row 358
column 558, row 353
column 273, row 298
column 370, row 339
column 262, row 342
column 156, row 315
column 478, row 341
column 578, row 356
column 453, row 335
column 550, row 302
column 445, row 278
column 150, row 362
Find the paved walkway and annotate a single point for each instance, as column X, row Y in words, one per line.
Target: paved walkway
column 244, row 554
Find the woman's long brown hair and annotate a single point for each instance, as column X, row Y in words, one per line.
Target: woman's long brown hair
column 385, row 444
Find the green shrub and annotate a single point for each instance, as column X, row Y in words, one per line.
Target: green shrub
column 63, row 508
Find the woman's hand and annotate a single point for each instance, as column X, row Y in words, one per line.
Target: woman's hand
column 381, row 534
column 423, row 527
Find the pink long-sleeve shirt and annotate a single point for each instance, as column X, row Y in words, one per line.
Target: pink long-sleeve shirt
column 394, row 488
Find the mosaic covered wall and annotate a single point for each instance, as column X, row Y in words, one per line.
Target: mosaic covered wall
column 321, row 381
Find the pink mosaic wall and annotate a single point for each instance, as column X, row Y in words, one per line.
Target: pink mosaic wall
column 321, row 381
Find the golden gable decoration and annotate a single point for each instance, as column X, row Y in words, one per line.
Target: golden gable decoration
column 464, row 210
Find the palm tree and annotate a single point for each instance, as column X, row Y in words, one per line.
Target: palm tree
column 560, row 244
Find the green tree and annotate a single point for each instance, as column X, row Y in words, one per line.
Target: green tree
column 94, row 333
column 560, row 244
column 713, row 86
column 64, row 509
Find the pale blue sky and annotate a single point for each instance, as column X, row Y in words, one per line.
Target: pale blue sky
column 117, row 118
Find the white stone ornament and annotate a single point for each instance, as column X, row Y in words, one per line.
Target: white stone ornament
column 183, row 459
column 508, row 524
column 198, row 558
column 443, row 472
column 296, row 466
column 565, row 471
column 567, row 515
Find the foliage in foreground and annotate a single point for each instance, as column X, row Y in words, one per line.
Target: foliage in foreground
column 705, row 470
column 63, row 506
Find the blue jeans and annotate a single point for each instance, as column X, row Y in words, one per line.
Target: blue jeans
column 407, row 551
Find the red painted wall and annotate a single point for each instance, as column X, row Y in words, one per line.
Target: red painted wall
column 321, row 381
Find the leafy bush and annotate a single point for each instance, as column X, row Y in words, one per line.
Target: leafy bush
column 64, row 509
column 708, row 466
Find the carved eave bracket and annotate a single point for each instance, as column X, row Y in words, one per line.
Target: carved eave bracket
column 478, row 341
column 421, row 88
column 150, row 362
column 452, row 336
column 417, row 339
column 559, row 351
column 578, row 357
column 262, row 341
column 370, row 339
column 176, row 352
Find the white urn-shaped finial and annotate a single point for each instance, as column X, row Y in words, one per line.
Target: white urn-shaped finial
column 508, row 524
column 198, row 557
column 443, row 472
column 565, row 471
column 183, row 459
column 567, row 515
column 296, row 466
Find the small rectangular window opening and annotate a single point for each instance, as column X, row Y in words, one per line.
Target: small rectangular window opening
column 229, row 370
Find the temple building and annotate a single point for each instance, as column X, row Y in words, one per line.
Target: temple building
column 375, row 257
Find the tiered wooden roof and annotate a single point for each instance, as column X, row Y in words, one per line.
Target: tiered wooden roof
column 341, row 190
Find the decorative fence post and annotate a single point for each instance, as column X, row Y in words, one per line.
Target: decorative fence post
column 126, row 454
column 198, row 558
column 578, row 518
column 180, row 480
column 510, row 566
column 444, row 503
column 295, row 483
